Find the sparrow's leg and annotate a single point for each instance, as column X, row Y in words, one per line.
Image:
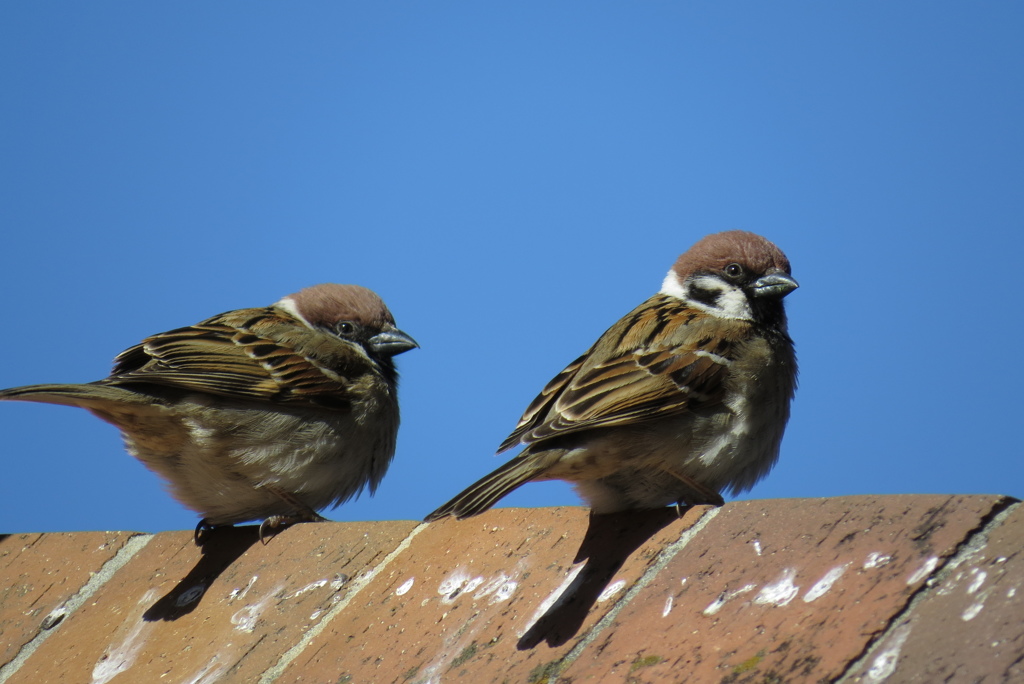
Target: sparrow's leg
column 707, row 496
column 303, row 513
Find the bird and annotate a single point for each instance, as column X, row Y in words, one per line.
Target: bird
column 269, row 413
column 686, row 396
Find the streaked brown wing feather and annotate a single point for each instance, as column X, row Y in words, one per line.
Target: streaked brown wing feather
column 594, row 399
column 539, row 407
column 233, row 355
column 661, row 380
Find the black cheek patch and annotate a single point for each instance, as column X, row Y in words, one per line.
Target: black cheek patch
column 706, row 297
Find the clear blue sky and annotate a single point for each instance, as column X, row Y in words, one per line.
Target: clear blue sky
column 513, row 179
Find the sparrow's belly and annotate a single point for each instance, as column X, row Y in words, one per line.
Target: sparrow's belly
column 669, row 461
column 224, row 462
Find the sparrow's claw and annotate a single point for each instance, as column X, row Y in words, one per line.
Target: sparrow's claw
column 202, row 529
column 276, row 523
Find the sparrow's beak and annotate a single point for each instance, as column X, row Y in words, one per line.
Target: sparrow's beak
column 391, row 342
column 773, row 285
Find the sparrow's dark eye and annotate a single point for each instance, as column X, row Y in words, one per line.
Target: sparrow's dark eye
column 734, row 271
column 345, row 328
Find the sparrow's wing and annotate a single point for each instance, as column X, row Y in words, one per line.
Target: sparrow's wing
column 657, row 361
column 537, row 409
column 633, row 388
column 232, row 355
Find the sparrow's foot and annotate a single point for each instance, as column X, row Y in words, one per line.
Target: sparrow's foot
column 203, row 529
column 276, row 523
column 301, row 513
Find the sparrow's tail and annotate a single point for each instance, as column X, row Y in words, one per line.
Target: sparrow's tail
column 83, row 396
column 486, row 491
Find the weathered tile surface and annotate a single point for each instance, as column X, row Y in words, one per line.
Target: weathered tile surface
column 894, row 589
column 783, row 590
column 40, row 572
column 477, row 600
column 176, row 614
column 968, row 626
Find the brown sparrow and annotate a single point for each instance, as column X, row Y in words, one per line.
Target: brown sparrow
column 685, row 396
column 258, row 413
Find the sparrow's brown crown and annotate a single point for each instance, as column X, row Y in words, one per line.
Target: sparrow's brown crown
column 329, row 303
column 714, row 252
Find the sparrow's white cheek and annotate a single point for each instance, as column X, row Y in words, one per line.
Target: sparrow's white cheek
column 728, row 301
column 671, row 287
column 735, row 305
column 288, row 304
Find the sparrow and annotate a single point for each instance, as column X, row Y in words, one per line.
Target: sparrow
column 684, row 397
column 269, row 413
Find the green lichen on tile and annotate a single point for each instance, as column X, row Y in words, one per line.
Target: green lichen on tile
column 466, row 654
column 645, row 661
column 410, row 673
column 749, row 664
column 544, row 674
